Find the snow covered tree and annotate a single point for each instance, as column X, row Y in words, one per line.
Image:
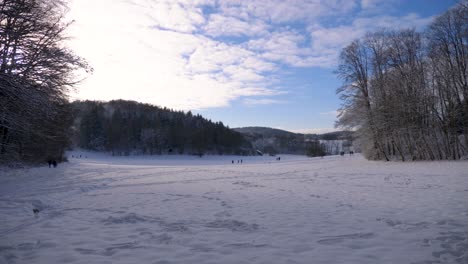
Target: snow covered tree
column 357, row 108
column 125, row 127
column 405, row 92
column 36, row 72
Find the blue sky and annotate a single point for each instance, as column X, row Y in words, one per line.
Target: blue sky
column 245, row 63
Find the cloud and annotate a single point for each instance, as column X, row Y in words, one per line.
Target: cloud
column 194, row 54
column 329, row 41
column 288, row 47
column 221, row 25
column 262, row 101
column 321, row 46
column 182, row 16
column 283, row 11
column 371, row 4
column 147, row 51
column 378, row 6
column 282, row 42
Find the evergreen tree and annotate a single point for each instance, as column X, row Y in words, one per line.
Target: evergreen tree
column 124, row 127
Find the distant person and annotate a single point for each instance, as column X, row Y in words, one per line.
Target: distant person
column 50, row 163
column 80, row 155
column 232, row 161
column 342, row 153
column 241, row 161
column 54, row 162
column 351, row 153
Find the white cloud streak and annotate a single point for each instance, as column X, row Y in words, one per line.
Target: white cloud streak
column 262, row 101
column 221, row 25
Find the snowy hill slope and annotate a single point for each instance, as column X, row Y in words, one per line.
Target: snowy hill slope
column 272, row 140
column 208, row 210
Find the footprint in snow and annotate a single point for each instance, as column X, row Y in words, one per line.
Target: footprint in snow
column 332, row 240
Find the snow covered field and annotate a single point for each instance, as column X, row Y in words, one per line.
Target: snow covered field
column 181, row 209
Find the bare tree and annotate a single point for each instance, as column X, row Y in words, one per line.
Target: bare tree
column 357, row 111
column 36, row 72
column 406, row 92
column 448, row 55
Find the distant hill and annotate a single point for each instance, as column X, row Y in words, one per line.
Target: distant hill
column 272, row 140
column 265, row 131
column 268, row 131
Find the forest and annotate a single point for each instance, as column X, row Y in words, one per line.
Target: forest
column 127, row 127
column 406, row 92
column 276, row 141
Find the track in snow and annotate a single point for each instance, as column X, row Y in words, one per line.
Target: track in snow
column 190, row 210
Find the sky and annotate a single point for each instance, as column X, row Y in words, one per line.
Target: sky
column 243, row 62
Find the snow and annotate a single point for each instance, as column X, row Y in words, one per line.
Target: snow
column 183, row 209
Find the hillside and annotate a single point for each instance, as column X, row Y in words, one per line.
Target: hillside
column 127, row 127
column 272, row 140
column 265, row 131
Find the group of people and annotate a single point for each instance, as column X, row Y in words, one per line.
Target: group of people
column 350, row 153
column 52, row 162
column 240, row 161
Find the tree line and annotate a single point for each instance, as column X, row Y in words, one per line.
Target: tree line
column 405, row 92
column 272, row 141
column 127, row 127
